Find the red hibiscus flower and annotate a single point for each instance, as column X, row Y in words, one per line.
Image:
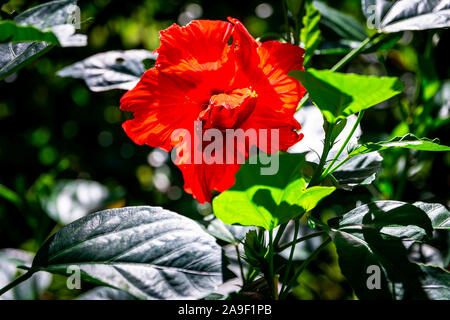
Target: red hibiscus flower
column 216, row 74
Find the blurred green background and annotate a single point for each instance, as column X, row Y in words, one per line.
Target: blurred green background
column 54, row 128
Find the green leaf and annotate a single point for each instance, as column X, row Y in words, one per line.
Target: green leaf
column 106, row 293
column 408, row 141
column 302, row 249
column 294, row 6
column 343, row 46
column 371, row 235
column 395, row 16
column 149, row 252
column 31, row 289
column 439, row 215
column 110, row 70
column 310, row 33
column 358, row 171
column 339, row 95
column 11, row 32
column 268, row 200
column 340, row 23
column 355, row 257
column 225, row 232
column 435, row 282
column 55, row 15
column 390, row 218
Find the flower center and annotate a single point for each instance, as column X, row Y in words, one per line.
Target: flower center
column 229, row 110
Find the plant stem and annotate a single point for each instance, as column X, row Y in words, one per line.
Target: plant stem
column 339, row 165
column 299, row 23
column 358, row 120
column 326, row 149
column 353, row 53
column 236, row 245
column 275, row 291
column 16, row 282
column 280, row 232
column 286, row 20
column 271, row 279
column 291, row 254
column 309, row 236
column 303, row 267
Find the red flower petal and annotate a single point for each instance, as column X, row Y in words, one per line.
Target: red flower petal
column 202, row 45
column 200, row 179
column 160, row 104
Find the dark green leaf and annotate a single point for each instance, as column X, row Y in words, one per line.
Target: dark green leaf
column 372, row 235
column 392, row 218
column 339, row 95
column 355, row 257
column 110, row 70
column 342, row 24
column 294, row 6
column 395, row 16
column 358, row 171
column 408, row 141
column 149, row 252
column 343, row 46
column 432, row 283
column 268, row 200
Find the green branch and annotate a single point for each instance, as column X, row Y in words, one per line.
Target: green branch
column 303, row 267
column 309, row 236
column 358, row 120
column 16, row 282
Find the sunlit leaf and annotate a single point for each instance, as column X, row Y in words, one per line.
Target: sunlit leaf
column 110, row 70
column 401, row 15
column 339, row 95
column 408, row 141
column 149, row 252
column 106, row 293
column 268, row 200
column 439, row 215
